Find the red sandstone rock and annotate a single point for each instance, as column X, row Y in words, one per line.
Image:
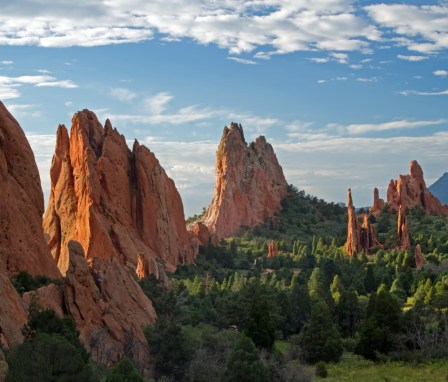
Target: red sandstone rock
column 419, row 258
column 22, row 243
column 378, row 204
column 115, row 202
column 360, row 237
column 49, row 297
column 13, row 314
column 249, row 184
column 352, row 244
column 109, row 308
column 410, row 191
column 272, row 249
column 403, row 230
column 200, row 231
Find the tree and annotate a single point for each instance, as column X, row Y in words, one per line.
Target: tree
column 320, row 340
column 259, row 324
column 124, row 371
column 244, row 364
column 316, row 284
column 167, row 348
column 47, row 358
column 382, row 325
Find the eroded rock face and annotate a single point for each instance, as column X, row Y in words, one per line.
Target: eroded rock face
column 113, row 201
column 360, row 237
column 419, row 258
column 272, row 249
column 22, row 243
column 249, row 184
column 410, row 191
column 109, row 308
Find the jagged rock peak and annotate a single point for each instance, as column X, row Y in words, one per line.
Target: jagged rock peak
column 113, row 201
column 249, row 185
column 410, row 191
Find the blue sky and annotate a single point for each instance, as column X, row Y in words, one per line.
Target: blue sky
column 348, row 92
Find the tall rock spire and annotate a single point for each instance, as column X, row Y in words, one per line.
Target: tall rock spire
column 249, row 184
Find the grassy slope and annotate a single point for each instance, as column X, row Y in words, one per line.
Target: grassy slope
column 354, row 369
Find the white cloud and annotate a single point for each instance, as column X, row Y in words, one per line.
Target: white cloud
column 234, row 25
column 242, row 60
column 424, row 28
column 393, row 125
column 6, row 62
column 342, row 58
column 441, row 73
column 370, row 79
column 415, row 92
column 412, row 58
column 356, row 66
column 319, row 60
column 67, row 84
column 122, row 94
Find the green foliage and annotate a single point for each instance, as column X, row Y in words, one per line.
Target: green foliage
column 320, row 340
column 124, row 371
column 244, row 364
column 321, row 370
column 380, row 329
column 168, row 349
column 259, row 324
column 24, row 282
column 46, row 321
column 47, row 358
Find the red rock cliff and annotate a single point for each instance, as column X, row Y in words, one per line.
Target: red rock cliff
column 113, row 201
column 249, row 184
column 410, row 191
column 22, row 243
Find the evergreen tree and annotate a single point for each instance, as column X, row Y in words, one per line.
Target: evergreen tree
column 124, row 371
column 244, row 364
column 320, row 340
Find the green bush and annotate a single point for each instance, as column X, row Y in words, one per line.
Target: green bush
column 321, row 370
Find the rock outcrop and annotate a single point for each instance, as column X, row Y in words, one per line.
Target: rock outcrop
column 378, row 203
column 272, row 249
column 109, row 308
column 249, row 184
column 419, row 258
column 113, row 201
column 403, row 230
column 360, row 237
column 22, row 243
column 410, row 191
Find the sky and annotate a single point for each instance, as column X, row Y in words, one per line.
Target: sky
column 347, row 92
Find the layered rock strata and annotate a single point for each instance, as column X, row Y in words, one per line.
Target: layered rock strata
column 249, row 185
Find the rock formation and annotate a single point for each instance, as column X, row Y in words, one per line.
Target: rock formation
column 378, row 204
column 249, row 184
column 352, row 244
column 360, row 237
column 109, row 308
column 272, row 249
column 419, row 258
column 22, row 243
column 403, row 230
column 410, row 191
column 113, row 201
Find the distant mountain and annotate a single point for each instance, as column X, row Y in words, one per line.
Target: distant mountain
column 440, row 188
